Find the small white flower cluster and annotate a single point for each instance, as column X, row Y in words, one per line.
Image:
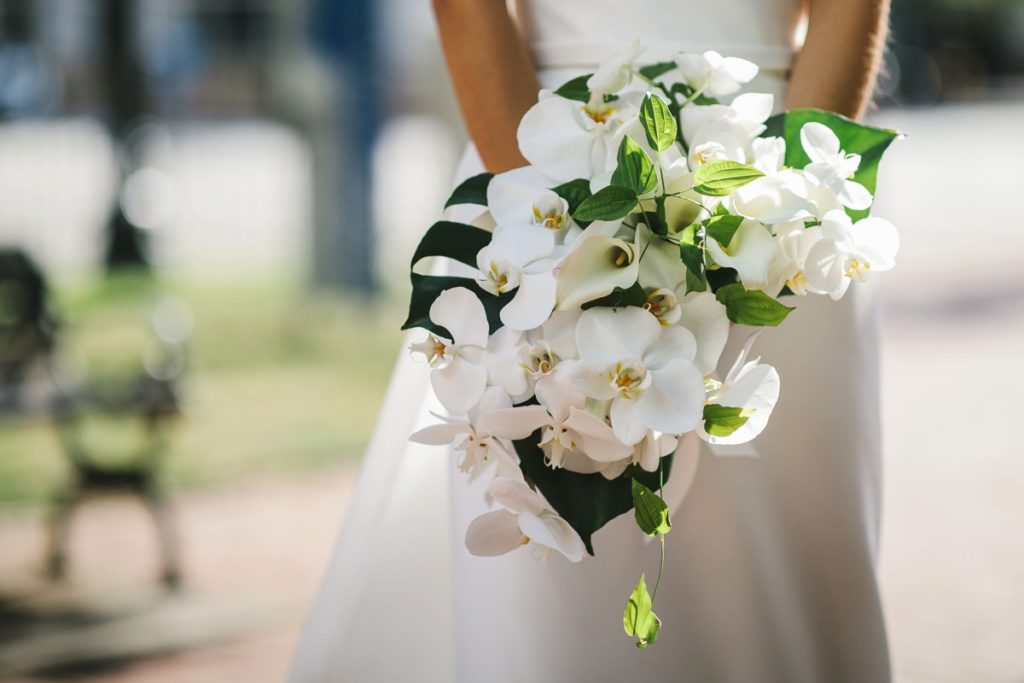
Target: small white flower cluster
column 610, row 337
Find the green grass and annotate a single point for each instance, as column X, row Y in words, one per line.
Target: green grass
column 280, row 380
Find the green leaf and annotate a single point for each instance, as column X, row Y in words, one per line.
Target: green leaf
column 426, row 288
column 452, row 240
column 471, row 191
column 607, row 204
column 574, row 192
column 724, row 420
column 720, row 178
column 722, row 228
column 586, row 501
column 650, row 511
column 855, row 138
column 576, row 89
column 693, row 258
column 634, row 169
column 639, row 620
column 620, row 298
column 658, row 123
column 652, row 71
column 751, row 306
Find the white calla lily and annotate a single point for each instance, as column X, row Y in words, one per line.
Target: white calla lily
column 595, row 265
column 832, row 166
column 495, row 533
column 457, row 377
column 751, row 252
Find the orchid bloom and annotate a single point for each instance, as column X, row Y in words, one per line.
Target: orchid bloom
column 479, row 448
column 832, row 166
column 521, row 196
column 457, row 377
column 780, row 195
column 751, row 252
column 848, row 252
column 520, row 258
column 525, row 518
column 713, row 74
column 644, row 370
column 793, row 242
column 616, row 72
column 720, row 131
column 565, row 426
column 750, row 386
column 565, row 139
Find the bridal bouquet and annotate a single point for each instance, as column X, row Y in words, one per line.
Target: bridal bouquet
column 575, row 333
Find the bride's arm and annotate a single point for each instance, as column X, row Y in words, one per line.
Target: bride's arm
column 493, row 76
column 837, row 66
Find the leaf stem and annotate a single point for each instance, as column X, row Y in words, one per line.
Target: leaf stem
column 661, row 537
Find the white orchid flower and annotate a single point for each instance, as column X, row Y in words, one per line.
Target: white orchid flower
column 705, row 317
column 505, row 361
column 750, row 386
column 521, row 196
column 520, row 258
column 566, row 140
column 595, row 265
column 713, row 74
column 720, row 131
column 479, row 448
column 832, row 166
column 645, row 370
column 793, row 243
column 616, row 72
column 848, row 252
column 526, row 518
column 751, row 252
column 781, row 195
column 457, row 377
column 565, row 426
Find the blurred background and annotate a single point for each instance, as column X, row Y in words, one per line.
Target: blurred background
column 202, row 277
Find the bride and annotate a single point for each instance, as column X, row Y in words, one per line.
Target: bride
column 771, row 558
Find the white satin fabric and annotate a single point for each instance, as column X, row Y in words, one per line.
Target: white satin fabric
column 770, row 563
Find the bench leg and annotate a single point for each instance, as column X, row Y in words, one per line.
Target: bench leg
column 163, row 515
column 59, row 523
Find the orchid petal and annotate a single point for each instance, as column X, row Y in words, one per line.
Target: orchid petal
column 552, row 531
column 674, row 403
column 494, row 533
column 605, row 335
column 460, row 312
column 532, row 303
column 459, row 385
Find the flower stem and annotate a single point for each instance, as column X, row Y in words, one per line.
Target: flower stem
column 661, row 537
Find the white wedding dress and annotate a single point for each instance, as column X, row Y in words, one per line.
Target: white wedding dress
column 770, row 567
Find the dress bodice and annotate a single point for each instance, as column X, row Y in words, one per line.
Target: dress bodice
column 578, row 33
